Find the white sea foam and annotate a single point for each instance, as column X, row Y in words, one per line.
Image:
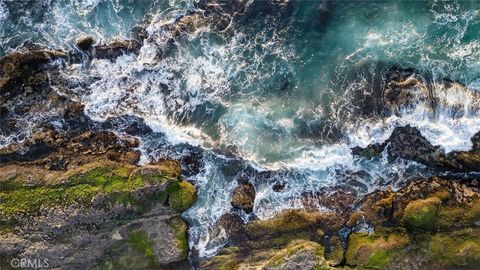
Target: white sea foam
column 213, row 201
column 3, row 11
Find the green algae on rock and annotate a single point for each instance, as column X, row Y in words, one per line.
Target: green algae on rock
column 422, row 214
column 113, row 183
column 429, row 223
column 127, row 213
column 374, row 250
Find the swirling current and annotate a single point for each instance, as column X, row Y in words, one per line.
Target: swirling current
column 278, row 92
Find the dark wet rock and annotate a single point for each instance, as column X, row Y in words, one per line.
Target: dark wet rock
column 278, row 187
column 116, row 48
column 234, row 227
column 476, row 142
column 339, row 199
column 191, row 162
column 129, row 124
column 49, row 147
column 24, row 68
column 85, row 42
column 75, row 120
column 34, row 151
column 408, row 143
column 325, row 12
column 404, row 88
column 243, row 197
column 139, row 33
column 234, row 166
column 369, row 152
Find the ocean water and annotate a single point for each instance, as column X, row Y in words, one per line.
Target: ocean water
column 278, row 97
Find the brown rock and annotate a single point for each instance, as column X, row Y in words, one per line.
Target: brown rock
column 116, row 48
column 243, row 197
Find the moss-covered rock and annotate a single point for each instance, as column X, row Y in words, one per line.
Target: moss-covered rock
column 453, row 250
column 334, row 252
column 295, row 221
column 181, row 195
column 179, row 227
column 136, row 252
column 376, row 250
column 114, row 183
column 459, row 215
column 128, row 213
column 226, row 259
column 148, row 245
column 79, row 189
column 298, row 255
column 422, row 213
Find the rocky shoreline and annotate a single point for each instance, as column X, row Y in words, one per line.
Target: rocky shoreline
column 429, row 224
column 72, row 191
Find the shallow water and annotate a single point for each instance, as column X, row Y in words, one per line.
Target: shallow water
column 276, row 91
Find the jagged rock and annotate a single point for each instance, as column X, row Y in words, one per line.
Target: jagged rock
column 116, row 48
column 404, row 88
column 50, row 146
column 131, row 125
column 407, row 88
column 24, row 68
column 408, row 143
column 243, row 197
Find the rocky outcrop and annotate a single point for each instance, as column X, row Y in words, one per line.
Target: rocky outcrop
column 84, row 42
column 408, row 143
column 17, row 69
column 429, row 223
column 70, row 190
column 102, row 213
column 116, row 48
column 406, row 88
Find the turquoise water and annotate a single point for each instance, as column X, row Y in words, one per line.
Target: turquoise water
column 289, row 87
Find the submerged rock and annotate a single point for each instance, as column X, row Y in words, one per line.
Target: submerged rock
column 404, row 88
